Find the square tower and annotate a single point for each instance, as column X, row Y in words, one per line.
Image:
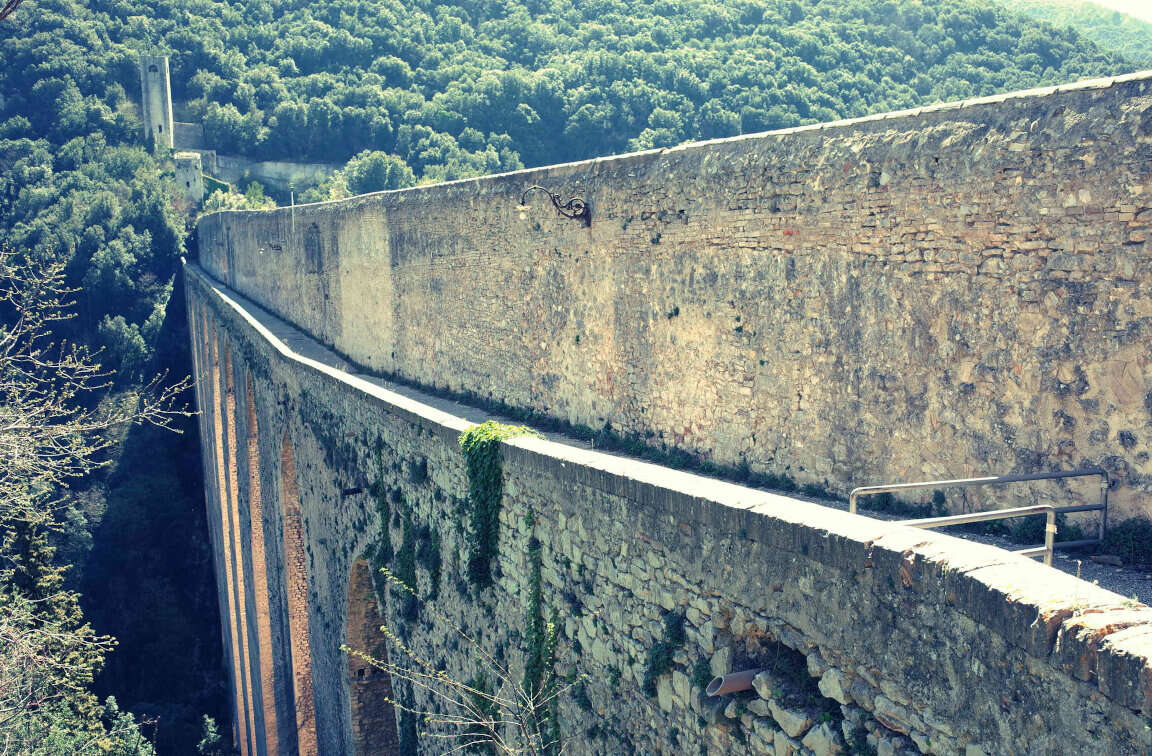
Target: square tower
column 190, row 175
column 156, row 101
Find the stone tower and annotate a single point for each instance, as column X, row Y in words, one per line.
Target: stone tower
column 156, row 98
column 190, row 175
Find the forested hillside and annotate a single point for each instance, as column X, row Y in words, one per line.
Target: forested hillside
column 472, row 87
column 1109, row 29
column 437, row 91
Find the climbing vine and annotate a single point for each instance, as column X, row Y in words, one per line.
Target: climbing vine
column 540, row 638
column 404, row 568
column 481, row 446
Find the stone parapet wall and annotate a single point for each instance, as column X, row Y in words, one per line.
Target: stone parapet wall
column 187, row 136
column 957, row 290
column 918, row 641
column 279, row 175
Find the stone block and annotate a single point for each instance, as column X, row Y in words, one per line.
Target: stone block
column 665, row 695
column 794, row 722
column 759, row 707
column 835, row 685
column 721, row 661
column 764, row 683
column 823, row 740
column 785, row 746
column 354, row 274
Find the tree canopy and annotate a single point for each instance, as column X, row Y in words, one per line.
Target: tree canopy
column 1111, row 30
column 465, row 88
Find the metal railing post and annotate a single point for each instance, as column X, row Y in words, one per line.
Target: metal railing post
column 1105, row 484
column 1050, row 510
column 1049, row 535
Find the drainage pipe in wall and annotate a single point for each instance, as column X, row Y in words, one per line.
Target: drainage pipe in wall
column 731, row 683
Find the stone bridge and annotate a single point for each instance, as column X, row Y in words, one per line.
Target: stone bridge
column 954, row 290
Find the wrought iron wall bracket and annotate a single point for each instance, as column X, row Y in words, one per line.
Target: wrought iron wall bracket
column 577, row 207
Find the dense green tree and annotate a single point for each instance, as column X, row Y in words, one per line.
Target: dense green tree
column 374, row 171
column 328, row 80
column 1111, row 30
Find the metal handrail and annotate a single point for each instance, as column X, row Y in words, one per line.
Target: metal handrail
column 1000, row 514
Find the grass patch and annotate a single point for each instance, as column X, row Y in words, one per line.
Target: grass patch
column 1131, row 540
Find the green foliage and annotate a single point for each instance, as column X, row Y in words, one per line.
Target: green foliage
column 148, row 580
column 125, row 349
column 1131, row 540
column 886, row 502
column 1109, row 29
column 486, row 709
column 701, row 673
column 254, row 195
column 858, row 744
column 580, row 696
column 228, row 199
column 450, row 90
column 46, row 633
column 939, row 503
column 540, row 640
column 539, row 636
column 215, row 185
column 374, row 171
column 105, row 212
column 428, row 555
column 405, row 571
column 481, row 447
column 49, row 658
column 211, row 744
column 659, row 660
column 382, row 554
column 1030, row 530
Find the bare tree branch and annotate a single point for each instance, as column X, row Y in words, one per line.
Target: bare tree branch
column 49, row 431
column 507, row 719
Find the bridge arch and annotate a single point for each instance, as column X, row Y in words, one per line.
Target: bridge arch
column 264, row 670
column 296, row 590
column 369, row 687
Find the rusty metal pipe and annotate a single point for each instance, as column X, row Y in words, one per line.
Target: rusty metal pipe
column 733, row 682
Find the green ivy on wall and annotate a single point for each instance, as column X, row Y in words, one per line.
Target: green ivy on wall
column 481, row 446
column 540, row 639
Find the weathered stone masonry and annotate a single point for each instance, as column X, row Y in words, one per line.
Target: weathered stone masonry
column 961, row 289
column 935, row 644
column 954, row 290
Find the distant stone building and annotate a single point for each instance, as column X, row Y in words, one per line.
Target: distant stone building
column 163, row 133
column 190, row 175
column 156, row 101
